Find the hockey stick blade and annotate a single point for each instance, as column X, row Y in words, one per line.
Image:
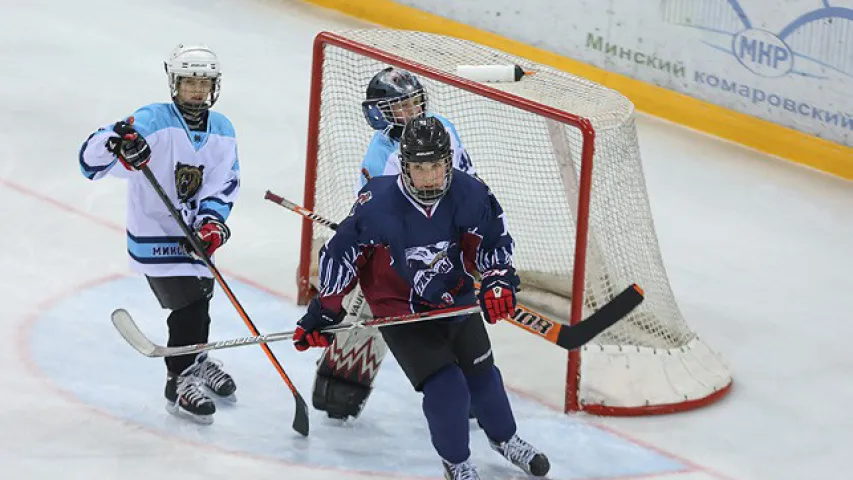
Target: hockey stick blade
column 575, row 336
column 300, row 417
column 128, row 329
column 578, row 335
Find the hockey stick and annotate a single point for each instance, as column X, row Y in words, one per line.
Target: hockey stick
column 130, row 331
column 300, row 210
column 300, row 419
column 575, row 336
column 569, row 337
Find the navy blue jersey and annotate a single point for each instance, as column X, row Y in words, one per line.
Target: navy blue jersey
column 408, row 258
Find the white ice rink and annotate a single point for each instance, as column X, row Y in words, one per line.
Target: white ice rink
column 758, row 251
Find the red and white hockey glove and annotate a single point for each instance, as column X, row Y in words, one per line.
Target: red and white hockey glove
column 309, row 328
column 212, row 235
column 497, row 294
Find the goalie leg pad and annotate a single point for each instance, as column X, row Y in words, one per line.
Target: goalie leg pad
column 348, row 367
column 346, row 372
column 338, row 397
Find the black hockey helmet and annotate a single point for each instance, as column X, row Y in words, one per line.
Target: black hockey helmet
column 425, row 140
column 390, row 93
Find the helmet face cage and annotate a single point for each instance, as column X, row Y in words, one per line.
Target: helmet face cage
column 398, row 110
column 427, row 196
column 193, row 61
column 193, row 107
column 425, row 141
column 393, row 97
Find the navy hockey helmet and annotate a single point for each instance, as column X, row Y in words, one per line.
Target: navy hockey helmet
column 393, row 97
column 425, row 153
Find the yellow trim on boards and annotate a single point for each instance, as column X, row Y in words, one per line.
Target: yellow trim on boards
column 747, row 130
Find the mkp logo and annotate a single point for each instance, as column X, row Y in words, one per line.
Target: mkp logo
column 763, row 53
column 815, row 44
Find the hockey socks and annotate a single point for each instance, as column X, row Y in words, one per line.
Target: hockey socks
column 187, row 326
column 491, row 405
column 446, row 402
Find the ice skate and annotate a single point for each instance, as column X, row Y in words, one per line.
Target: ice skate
column 186, row 396
column 523, row 455
column 215, row 379
column 460, row 471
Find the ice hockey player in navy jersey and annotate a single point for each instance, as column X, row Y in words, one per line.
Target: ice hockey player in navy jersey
column 192, row 152
column 402, row 242
column 348, row 367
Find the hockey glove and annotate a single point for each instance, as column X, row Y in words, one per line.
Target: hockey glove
column 130, row 147
column 497, row 293
column 212, row 235
column 309, row 328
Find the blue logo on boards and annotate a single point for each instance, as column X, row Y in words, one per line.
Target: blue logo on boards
column 812, row 45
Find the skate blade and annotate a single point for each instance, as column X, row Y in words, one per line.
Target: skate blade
column 226, row 399
column 180, row 412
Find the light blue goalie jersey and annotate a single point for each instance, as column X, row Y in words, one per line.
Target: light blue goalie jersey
column 382, row 157
column 198, row 170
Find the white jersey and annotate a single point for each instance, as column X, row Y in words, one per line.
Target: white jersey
column 199, row 172
column 383, row 154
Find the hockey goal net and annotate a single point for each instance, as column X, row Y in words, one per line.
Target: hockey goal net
column 561, row 154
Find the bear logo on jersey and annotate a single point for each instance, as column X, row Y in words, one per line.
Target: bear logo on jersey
column 428, row 261
column 188, row 180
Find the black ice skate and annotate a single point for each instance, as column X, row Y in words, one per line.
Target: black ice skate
column 186, row 396
column 460, row 471
column 215, row 379
column 523, row 455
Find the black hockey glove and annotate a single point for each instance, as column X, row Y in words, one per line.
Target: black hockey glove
column 130, row 147
column 497, row 293
column 309, row 330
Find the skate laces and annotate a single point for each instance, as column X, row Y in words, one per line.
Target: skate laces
column 462, row 471
column 189, row 387
column 211, row 373
column 517, row 451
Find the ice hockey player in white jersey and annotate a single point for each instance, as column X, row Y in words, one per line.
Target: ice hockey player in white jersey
column 192, row 152
column 347, row 369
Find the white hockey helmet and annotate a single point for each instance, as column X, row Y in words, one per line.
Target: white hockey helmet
column 197, row 61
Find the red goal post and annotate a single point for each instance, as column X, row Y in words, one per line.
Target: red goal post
column 561, row 154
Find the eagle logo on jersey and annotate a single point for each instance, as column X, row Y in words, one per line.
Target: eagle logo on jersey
column 188, row 180
column 428, row 261
column 361, row 200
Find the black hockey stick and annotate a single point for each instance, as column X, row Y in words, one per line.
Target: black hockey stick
column 300, row 419
column 130, row 331
column 575, row 336
column 569, row 337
